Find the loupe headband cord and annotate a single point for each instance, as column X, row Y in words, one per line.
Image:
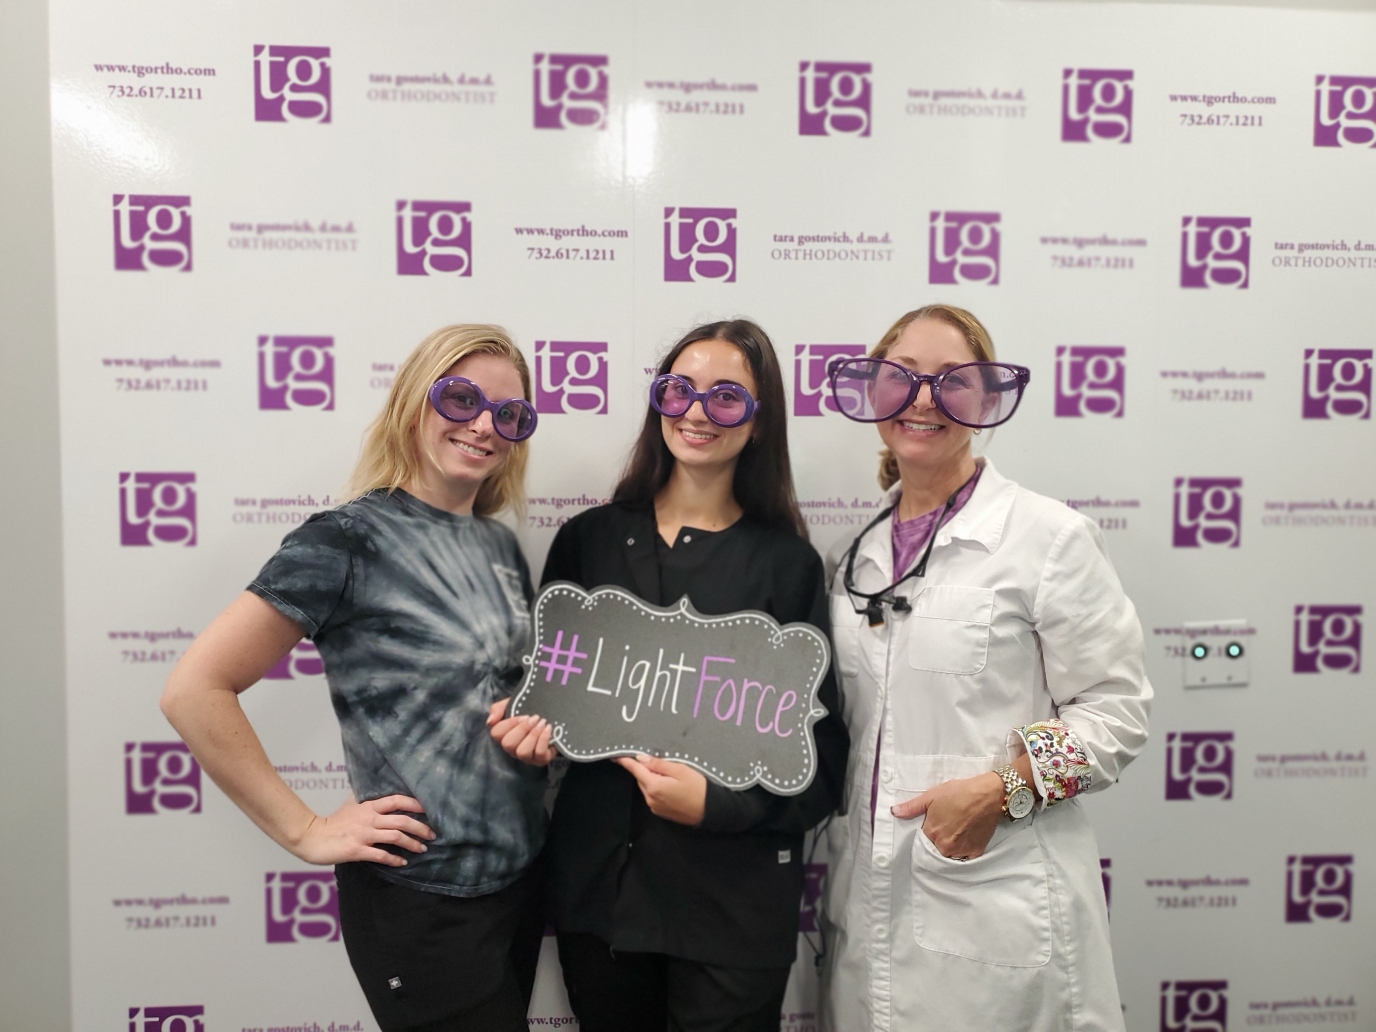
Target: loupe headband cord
column 878, row 599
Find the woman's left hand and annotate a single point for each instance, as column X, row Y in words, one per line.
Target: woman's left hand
column 526, row 738
column 961, row 814
column 674, row 791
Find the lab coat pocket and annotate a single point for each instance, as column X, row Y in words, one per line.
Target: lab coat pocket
column 948, row 629
column 994, row 908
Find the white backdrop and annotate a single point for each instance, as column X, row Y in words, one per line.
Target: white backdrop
column 1165, row 212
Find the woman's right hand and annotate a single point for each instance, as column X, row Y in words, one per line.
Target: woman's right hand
column 353, row 831
column 526, row 738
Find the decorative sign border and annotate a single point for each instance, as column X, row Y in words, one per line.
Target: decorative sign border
column 755, row 771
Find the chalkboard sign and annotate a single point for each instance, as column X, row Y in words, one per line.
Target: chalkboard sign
column 734, row 696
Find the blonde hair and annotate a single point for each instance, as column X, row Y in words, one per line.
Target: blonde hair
column 390, row 456
column 976, row 337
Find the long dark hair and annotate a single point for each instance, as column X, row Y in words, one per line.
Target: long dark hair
column 763, row 482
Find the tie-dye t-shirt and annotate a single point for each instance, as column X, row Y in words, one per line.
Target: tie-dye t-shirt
column 421, row 618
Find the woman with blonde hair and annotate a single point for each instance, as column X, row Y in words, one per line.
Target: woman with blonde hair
column 419, row 604
column 993, row 671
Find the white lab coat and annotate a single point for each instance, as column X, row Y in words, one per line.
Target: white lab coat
column 1020, row 618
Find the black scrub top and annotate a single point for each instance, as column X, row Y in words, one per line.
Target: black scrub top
column 725, row 892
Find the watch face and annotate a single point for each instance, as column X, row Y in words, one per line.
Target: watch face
column 1020, row 802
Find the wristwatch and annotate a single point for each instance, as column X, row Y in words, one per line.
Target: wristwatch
column 1018, row 798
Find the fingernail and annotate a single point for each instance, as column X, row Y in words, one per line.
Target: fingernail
column 893, row 810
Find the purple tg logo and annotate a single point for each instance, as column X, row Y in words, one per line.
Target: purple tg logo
column 302, row 906
column 1344, row 111
column 166, row 1019
column 700, row 245
column 1337, row 383
column 571, row 91
column 302, row 661
column 1318, row 888
column 833, row 98
column 161, row 777
column 1199, row 765
column 1208, row 512
column 291, row 84
column 1194, row 1006
column 152, row 233
column 811, row 386
column 1096, row 105
column 157, row 509
column 434, row 238
column 1215, row 252
column 1328, row 638
column 570, row 376
column 296, row 373
column 1089, row 381
column 963, row 247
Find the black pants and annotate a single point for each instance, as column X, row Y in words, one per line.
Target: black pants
column 428, row 962
column 652, row 992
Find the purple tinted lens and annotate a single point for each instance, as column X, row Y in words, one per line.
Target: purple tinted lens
column 870, row 390
column 727, row 405
column 980, row 394
column 514, row 420
column 672, row 397
column 459, row 401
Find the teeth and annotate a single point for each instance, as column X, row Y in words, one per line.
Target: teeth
column 694, row 435
column 471, row 449
column 921, row 426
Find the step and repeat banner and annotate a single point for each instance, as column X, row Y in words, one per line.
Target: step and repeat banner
column 1167, row 213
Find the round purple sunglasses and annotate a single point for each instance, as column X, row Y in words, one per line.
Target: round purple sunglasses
column 726, row 404
column 460, row 400
column 974, row 394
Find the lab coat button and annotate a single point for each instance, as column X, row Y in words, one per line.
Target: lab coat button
column 882, row 860
column 886, row 774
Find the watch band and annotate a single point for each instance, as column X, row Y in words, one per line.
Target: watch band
column 1012, row 781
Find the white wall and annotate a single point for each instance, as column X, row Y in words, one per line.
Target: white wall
column 34, row 969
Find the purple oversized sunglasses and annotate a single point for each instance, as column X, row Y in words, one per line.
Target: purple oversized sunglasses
column 974, row 394
column 726, row 404
column 460, row 400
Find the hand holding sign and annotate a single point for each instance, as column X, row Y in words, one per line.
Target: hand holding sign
column 733, row 696
column 674, row 791
column 526, row 738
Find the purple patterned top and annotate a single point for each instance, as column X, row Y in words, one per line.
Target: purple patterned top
column 910, row 536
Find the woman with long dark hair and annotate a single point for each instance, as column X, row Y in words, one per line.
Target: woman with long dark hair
column 676, row 900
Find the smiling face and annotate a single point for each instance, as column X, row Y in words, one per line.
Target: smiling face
column 693, row 439
column 920, row 437
column 458, row 457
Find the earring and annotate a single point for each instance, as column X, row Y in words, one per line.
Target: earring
column 979, row 430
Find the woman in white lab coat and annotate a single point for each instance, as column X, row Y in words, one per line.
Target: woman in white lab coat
column 992, row 670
